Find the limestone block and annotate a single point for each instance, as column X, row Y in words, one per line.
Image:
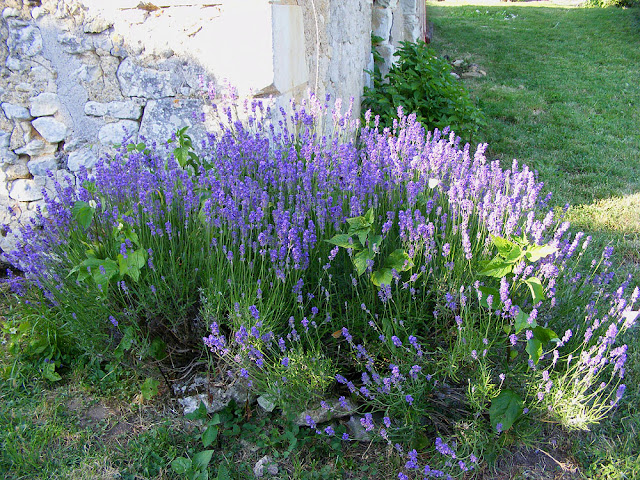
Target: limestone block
column 162, row 118
column 95, row 109
column 17, row 171
column 37, row 147
column 20, row 135
column 87, row 73
column 84, row 157
column 25, row 190
column 10, row 12
column 15, row 65
column 44, row 104
column 126, row 110
column 15, row 112
column 381, row 21
column 24, row 39
column 97, row 25
column 74, row 45
column 114, row 133
column 386, row 3
column 7, row 156
column 42, row 165
column 137, row 81
column 51, row 129
column 5, row 139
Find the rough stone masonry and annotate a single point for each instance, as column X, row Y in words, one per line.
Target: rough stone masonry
column 78, row 76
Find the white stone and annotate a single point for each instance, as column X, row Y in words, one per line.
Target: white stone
column 74, row 45
column 381, row 21
column 44, row 104
column 259, row 469
column 5, row 139
column 14, row 64
column 42, row 165
column 95, row 109
column 10, row 12
column 24, row 40
column 137, row 81
column 7, row 156
column 97, row 25
column 15, row 112
column 17, row 171
column 387, row 3
column 87, row 73
column 25, row 191
column 37, row 147
column 266, row 403
column 51, row 129
column 114, row 133
column 125, row 110
column 81, row 158
column 37, row 12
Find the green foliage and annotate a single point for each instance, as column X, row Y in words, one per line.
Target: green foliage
column 612, row 3
column 422, row 83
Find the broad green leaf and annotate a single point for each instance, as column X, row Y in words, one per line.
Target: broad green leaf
column 537, row 252
column 181, row 465
column 534, row 349
column 150, row 388
column 486, row 291
column 537, row 291
column 361, row 260
column 514, row 255
column 49, row 372
column 497, row 268
column 209, row 435
column 521, row 321
column 505, row 409
column 368, row 217
column 223, row 473
column 343, row 241
column 135, row 262
column 375, row 240
column 504, row 245
column 382, row 277
column 199, row 414
column 544, row 334
column 399, row 260
column 103, row 276
column 82, row 213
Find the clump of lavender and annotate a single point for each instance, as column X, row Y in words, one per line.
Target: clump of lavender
column 270, row 226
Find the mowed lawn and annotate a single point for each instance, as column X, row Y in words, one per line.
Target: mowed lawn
column 562, row 94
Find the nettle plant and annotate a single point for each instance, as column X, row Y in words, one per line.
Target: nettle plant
column 425, row 287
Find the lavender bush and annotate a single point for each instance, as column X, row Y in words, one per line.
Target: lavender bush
column 391, row 266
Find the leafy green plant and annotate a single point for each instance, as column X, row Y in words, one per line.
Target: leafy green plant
column 422, row 83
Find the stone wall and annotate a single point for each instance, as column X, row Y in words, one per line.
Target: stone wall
column 76, row 76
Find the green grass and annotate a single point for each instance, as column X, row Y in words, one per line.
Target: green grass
column 562, row 95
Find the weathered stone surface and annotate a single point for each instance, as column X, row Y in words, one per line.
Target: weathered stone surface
column 44, row 104
column 5, row 139
column 97, row 25
column 15, row 112
column 125, row 110
column 20, row 135
column 357, row 431
column 321, row 415
column 17, row 171
column 37, row 147
column 381, row 20
column 74, row 45
column 137, row 81
column 162, row 118
column 266, row 403
column 265, row 466
column 25, row 190
column 95, row 109
column 24, row 39
column 113, row 133
column 51, row 129
column 7, row 156
column 84, row 157
column 87, row 73
column 42, row 165
column 10, row 12
column 387, row 3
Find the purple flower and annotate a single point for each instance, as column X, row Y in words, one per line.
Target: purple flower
column 329, row 431
column 113, row 320
column 409, row 399
column 396, row 341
